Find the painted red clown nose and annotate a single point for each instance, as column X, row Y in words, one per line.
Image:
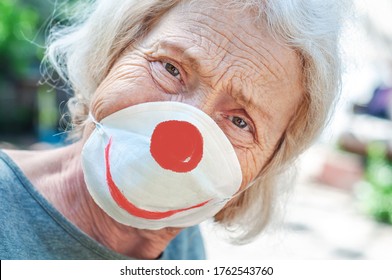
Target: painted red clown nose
column 177, row 146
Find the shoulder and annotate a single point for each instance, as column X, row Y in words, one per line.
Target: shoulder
column 13, row 208
column 15, row 188
column 12, row 178
column 8, row 172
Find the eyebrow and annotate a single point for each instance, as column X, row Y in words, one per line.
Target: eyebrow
column 249, row 102
column 237, row 94
column 180, row 51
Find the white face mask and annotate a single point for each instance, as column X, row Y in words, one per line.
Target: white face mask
column 160, row 164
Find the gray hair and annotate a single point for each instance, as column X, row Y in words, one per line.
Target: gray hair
column 83, row 52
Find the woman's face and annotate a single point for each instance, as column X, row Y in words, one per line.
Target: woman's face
column 220, row 62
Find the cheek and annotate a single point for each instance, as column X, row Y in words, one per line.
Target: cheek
column 251, row 160
column 126, row 85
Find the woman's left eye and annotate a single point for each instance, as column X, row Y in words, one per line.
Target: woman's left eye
column 239, row 122
column 172, row 70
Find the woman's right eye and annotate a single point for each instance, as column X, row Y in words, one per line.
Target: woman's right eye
column 172, row 70
column 168, row 76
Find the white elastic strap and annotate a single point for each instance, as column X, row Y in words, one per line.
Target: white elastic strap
column 227, row 199
column 99, row 126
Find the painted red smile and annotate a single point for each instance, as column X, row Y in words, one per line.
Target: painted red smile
column 125, row 204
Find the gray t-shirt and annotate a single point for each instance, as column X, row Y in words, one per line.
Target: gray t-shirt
column 31, row 228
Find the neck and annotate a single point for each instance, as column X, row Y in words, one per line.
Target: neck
column 58, row 175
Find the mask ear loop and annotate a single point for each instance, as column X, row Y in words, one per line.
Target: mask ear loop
column 98, row 125
column 227, row 199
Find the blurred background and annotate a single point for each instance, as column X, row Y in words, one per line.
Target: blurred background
column 30, row 110
column 341, row 204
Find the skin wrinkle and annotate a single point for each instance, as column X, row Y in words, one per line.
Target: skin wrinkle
column 243, row 42
column 203, row 75
column 156, row 83
column 163, row 48
column 182, row 51
column 227, row 51
column 165, row 43
column 262, row 55
column 221, row 44
column 193, row 29
column 251, row 61
column 245, row 100
column 122, row 75
column 221, row 77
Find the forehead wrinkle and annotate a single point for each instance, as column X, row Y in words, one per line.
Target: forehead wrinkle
column 240, row 84
column 195, row 22
column 238, row 61
column 265, row 61
column 247, row 97
column 198, row 19
column 225, row 47
column 206, row 43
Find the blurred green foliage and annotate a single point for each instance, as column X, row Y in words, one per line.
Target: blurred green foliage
column 18, row 27
column 23, row 27
column 376, row 194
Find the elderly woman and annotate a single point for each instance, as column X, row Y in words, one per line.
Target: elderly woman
column 183, row 111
